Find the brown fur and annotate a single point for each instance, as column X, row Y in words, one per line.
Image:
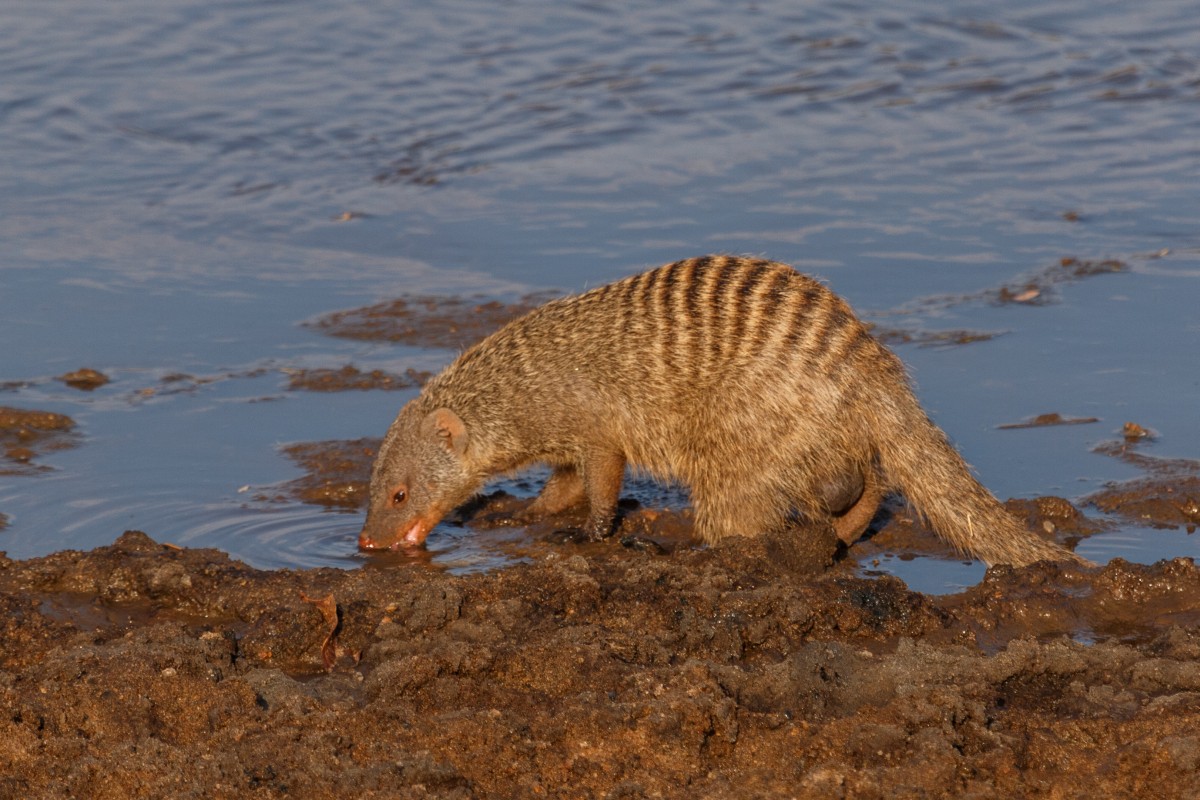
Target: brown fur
column 752, row 385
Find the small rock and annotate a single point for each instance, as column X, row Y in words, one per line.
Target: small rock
column 84, row 379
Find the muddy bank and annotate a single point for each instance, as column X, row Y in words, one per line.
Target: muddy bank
column 144, row 670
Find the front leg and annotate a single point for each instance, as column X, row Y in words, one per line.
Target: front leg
column 603, row 471
column 563, row 489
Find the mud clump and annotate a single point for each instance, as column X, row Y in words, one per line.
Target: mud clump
column 1160, row 502
column 86, row 379
column 1167, row 497
column 1047, row 420
column 924, row 338
column 1038, row 289
column 25, row 434
column 139, row 670
column 446, row 322
column 337, row 473
column 351, row 377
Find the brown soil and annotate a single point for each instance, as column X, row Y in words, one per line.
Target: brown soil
column 1048, row 420
column 337, row 473
column 1167, row 497
column 85, row 379
column 1038, row 288
column 448, row 322
column 351, row 377
column 893, row 336
column 759, row 668
column 140, row 670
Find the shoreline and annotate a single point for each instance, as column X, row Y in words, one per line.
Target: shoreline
column 140, row 669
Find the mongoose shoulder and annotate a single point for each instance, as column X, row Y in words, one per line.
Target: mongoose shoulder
column 749, row 383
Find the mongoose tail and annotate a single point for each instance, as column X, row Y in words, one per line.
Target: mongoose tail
column 920, row 462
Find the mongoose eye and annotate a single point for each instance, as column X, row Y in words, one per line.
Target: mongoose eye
column 399, row 497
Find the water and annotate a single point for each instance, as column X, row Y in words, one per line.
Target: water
column 173, row 175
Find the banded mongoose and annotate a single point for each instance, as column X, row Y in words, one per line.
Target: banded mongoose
column 747, row 382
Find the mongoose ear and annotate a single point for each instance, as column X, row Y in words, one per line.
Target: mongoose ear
column 448, row 427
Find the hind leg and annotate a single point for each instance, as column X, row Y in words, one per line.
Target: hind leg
column 849, row 524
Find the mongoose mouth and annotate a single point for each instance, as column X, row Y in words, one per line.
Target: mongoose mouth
column 415, row 536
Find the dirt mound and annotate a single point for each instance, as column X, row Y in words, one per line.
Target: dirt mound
column 142, row 670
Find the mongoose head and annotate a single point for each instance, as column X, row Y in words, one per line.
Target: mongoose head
column 420, row 475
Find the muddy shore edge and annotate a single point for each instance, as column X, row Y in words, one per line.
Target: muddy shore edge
column 145, row 670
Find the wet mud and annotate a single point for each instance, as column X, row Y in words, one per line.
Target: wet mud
column 1160, row 502
column 85, row 379
column 744, row 670
column 1048, row 420
column 759, row 668
column 182, row 383
column 1038, row 288
column 1168, row 496
column 445, row 322
column 27, row 434
column 337, row 473
column 923, row 338
column 351, row 377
